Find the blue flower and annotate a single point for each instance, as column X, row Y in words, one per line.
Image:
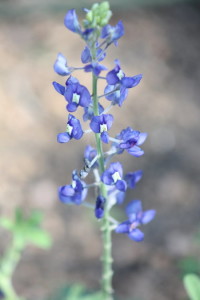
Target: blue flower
column 89, row 154
column 71, row 21
column 129, row 140
column 99, row 208
column 113, row 176
column 75, row 193
column 60, row 65
column 76, row 94
column 119, row 93
column 132, row 178
column 117, row 76
column 112, row 33
column 73, row 130
column 101, row 124
column 136, row 217
column 89, row 112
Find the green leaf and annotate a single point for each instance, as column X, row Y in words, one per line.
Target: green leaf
column 192, row 286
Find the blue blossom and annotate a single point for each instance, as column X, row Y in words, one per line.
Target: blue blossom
column 136, row 217
column 129, row 140
column 71, row 21
column 99, row 207
column 75, row 193
column 89, row 112
column 73, row 130
column 76, row 94
column 119, row 94
column 61, row 88
column 101, row 124
column 113, row 176
column 117, row 76
column 132, row 178
column 89, row 154
column 112, row 33
column 60, row 65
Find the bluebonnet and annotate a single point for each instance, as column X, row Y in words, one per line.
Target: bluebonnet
column 76, row 94
column 101, row 124
column 112, row 33
column 117, row 76
column 75, row 193
column 136, row 217
column 116, row 94
column 61, row 88
column 86, row 55
column 113, row 176
column 73, row 130
column 95, row 67
column 129, row 140
column 99, row 207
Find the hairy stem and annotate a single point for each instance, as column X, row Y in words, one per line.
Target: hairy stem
column 106, row 226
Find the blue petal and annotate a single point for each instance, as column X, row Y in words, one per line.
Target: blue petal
column 142, row 138
column 133, row 178
column 121, row 185
column 99, row 208
column 63, row 137
column 71, row 21
column 86, row 56
column 120, row 197
column 135, row 151
column 108, row 120
column 60, row 65
column 106, row 177
column 130, row 82
column 59, row 88
column 95, row 124
column 136, row 235
column 133, row 208
column 112, row 78
column 71, row 107
column 85, row 98
column 123, row 227
column 148, row 216
column 105, row 137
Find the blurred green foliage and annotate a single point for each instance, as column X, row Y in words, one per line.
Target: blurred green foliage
column 192, row 286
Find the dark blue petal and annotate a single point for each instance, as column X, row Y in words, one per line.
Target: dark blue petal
column 148, row 216
column 65, row 194
column 71, row 107
column 99, row 208
column 112, row 78
column 59, row 88
column 136, row 235
column 121, row 185
column 95, row 124
column 85, row 98
column 86, row 56
column 71, row 21
column 123, row 227
column 63, row 137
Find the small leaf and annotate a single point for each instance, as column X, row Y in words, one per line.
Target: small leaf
column 192, row 286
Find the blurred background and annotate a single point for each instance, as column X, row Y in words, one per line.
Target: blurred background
column 162, row 42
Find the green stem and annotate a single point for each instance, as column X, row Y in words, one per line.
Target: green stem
column 7, row 267
column 107, row 260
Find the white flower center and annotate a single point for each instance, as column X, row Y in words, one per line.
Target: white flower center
column 73, row 184
column 69, row 129
column 76, row 98
column 103, row 127
column 116, row 177
column 120, row 74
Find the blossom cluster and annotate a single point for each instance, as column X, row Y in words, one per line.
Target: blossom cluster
column 98, row 36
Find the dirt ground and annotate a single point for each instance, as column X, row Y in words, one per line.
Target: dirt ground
column 163, row 44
